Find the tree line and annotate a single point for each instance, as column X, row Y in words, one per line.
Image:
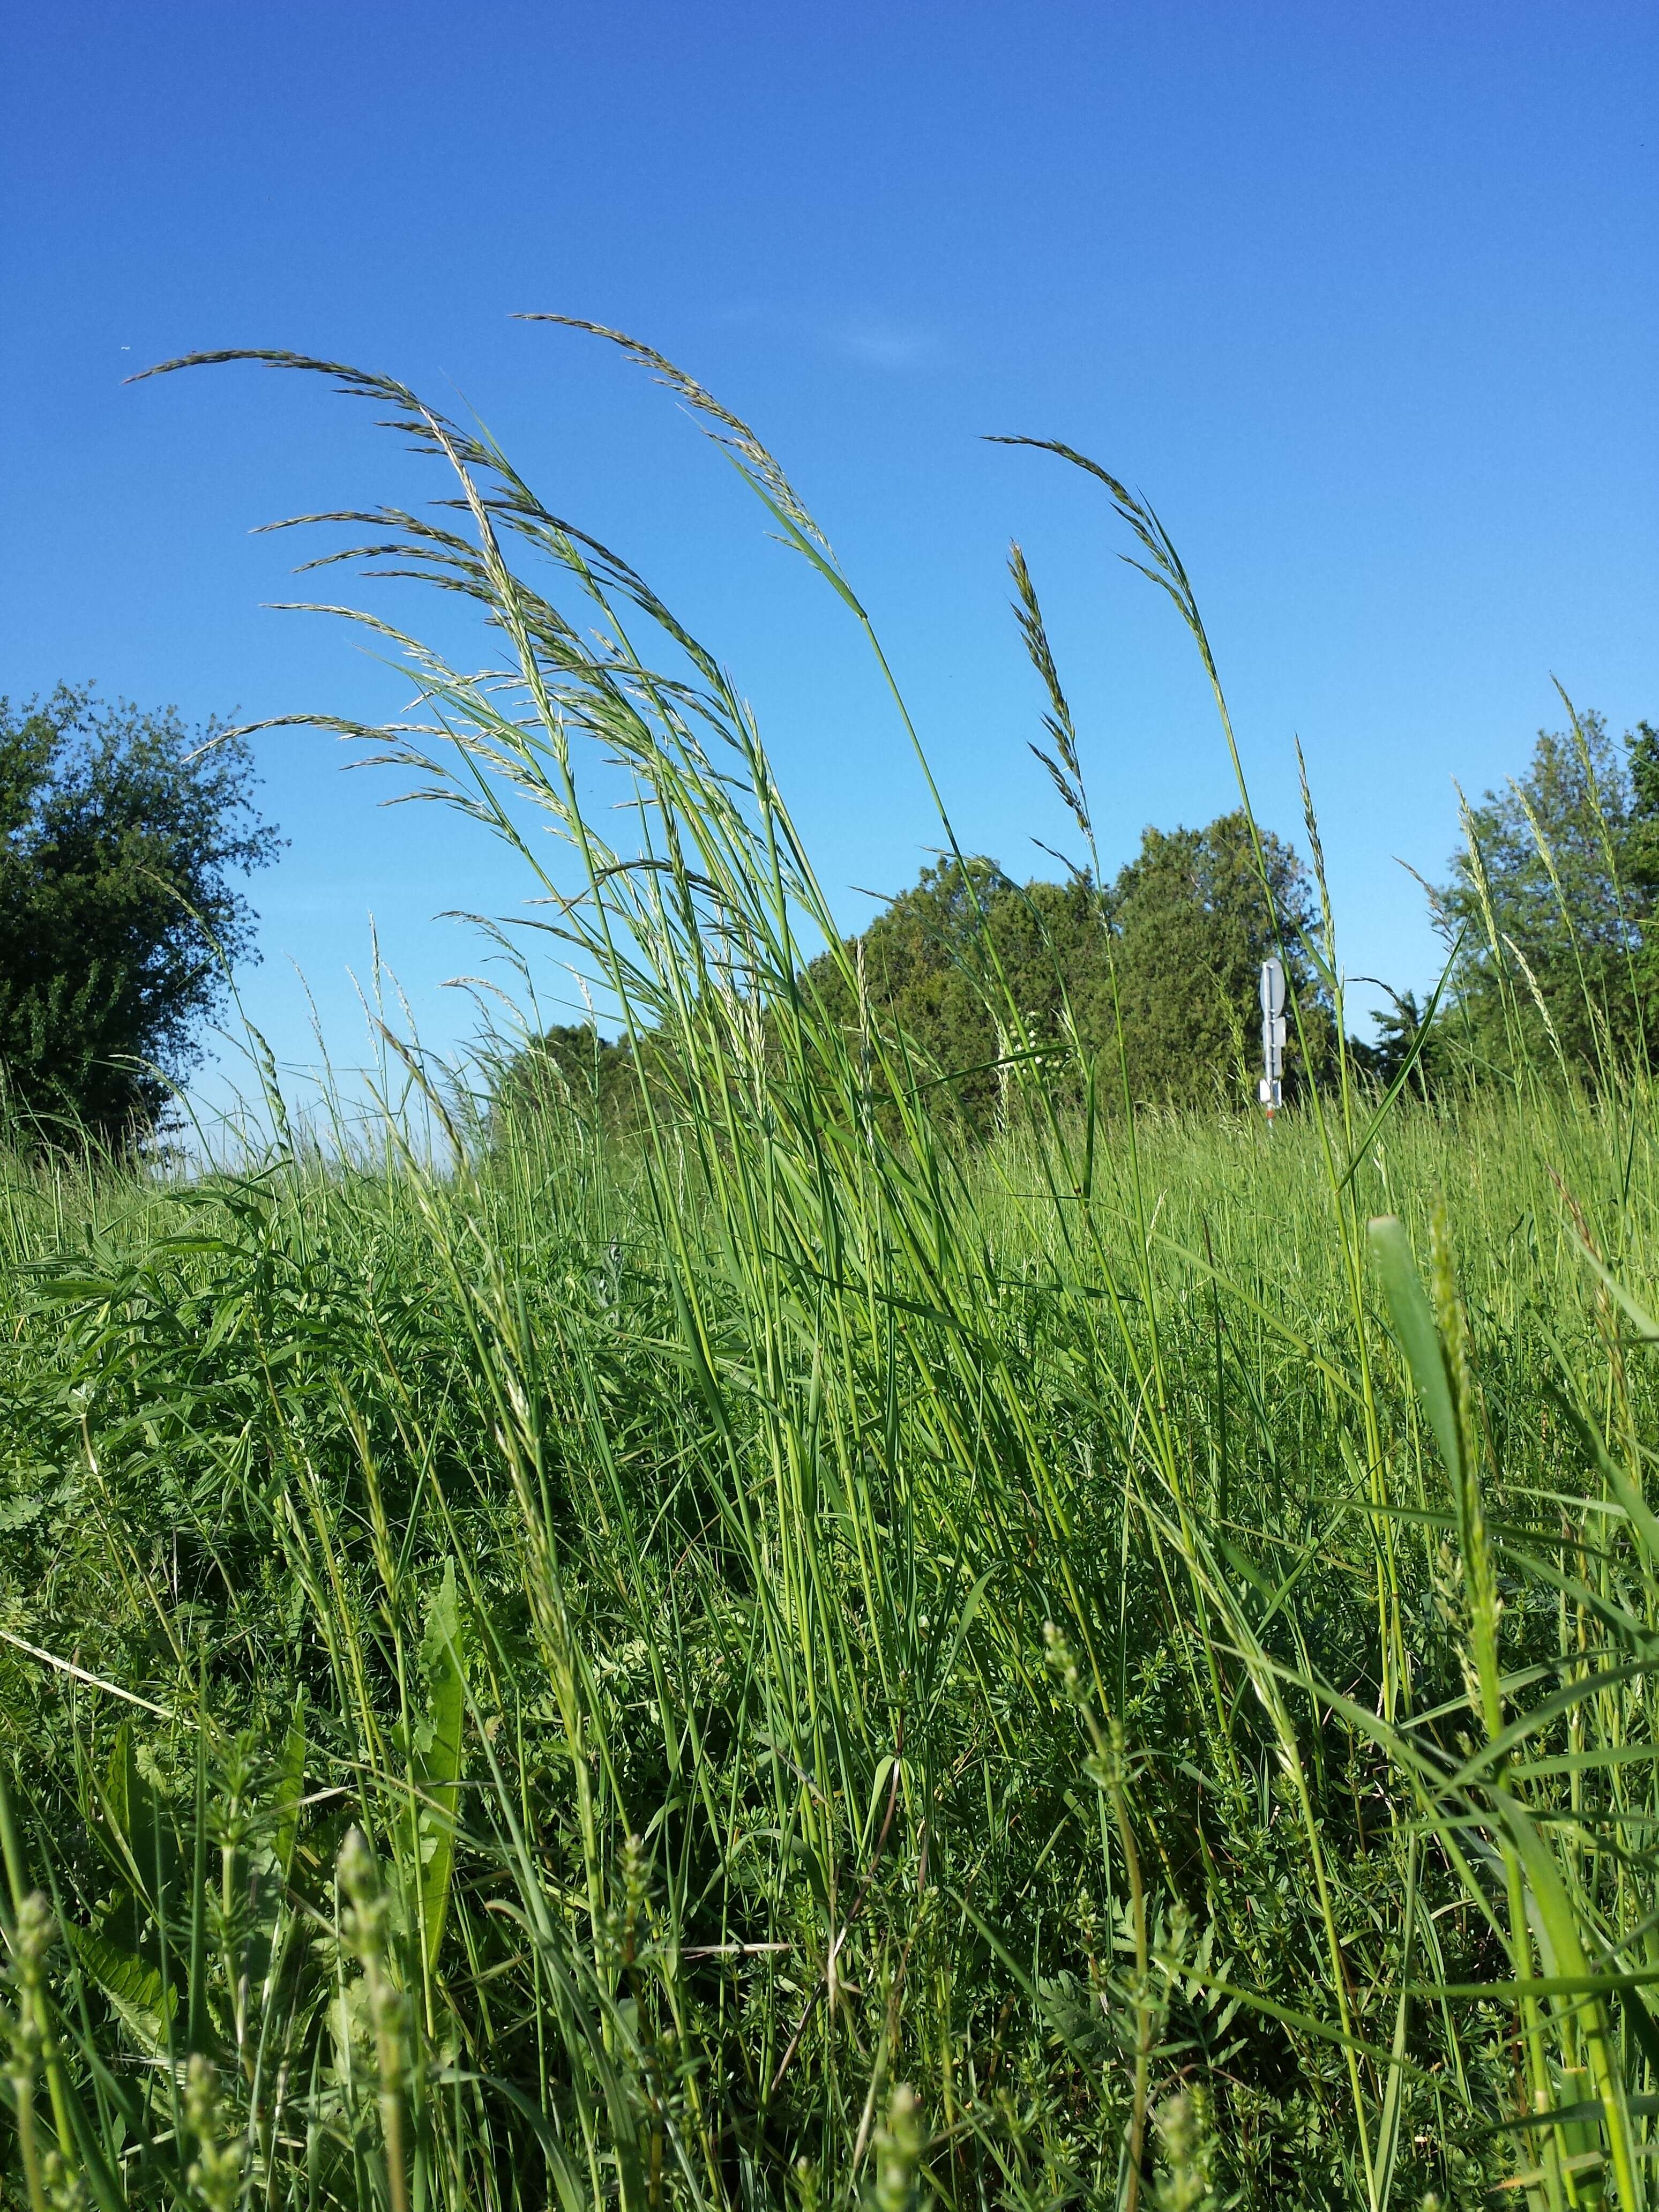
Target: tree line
column 1550, row 917
column 1549, row 920
column 124, row 837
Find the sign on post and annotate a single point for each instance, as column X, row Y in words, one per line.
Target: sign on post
column 1271, row 1088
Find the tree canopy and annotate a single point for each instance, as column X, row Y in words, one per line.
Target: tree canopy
column 120, row 838
column 1552, row 905
column 1553, row 899
column 972, row 972
column 1179, row 936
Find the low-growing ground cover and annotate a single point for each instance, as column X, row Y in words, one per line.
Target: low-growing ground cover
column 676, row 1634
column 809, row 1655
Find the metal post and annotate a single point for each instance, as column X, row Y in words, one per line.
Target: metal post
column 1270, row 1091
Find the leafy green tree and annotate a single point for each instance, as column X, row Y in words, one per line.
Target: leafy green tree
column 939, row 965
column 1193, row 929
column 571, row 1067
column 966, row 960
column 120, row 838
column 1553, row 893
column 1400, row 1040
column 1640, row 861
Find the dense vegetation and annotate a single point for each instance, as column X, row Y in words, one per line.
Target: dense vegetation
column 121, row 834
column 1165, row 959
column 1552, row 905
column 1548, row 921
column 816, row 1655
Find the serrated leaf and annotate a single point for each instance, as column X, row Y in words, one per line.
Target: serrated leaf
column 144, row 2001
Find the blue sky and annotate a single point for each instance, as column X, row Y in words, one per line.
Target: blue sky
column 1362, row 299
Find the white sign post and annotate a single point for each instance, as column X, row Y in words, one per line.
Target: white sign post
column 1270, row 1091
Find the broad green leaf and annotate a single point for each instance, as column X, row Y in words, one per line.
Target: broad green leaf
column 290, row 1788
column 1418, row 1336
column 437, row 1762
column 134, row 1829
column 145, row 2002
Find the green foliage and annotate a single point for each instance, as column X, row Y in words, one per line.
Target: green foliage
column 118, row 916
column 1638, row 852
column 1551, row 894
column 571, row 1068
column 975, row 972
column 1193, row 927
column 435, row 1765
column 1406, row 1043
column 807, row 1661
column 622, row 1688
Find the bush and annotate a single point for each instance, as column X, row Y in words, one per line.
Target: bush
column 119, row 834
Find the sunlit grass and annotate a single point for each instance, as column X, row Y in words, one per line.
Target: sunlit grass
column 796, row 1657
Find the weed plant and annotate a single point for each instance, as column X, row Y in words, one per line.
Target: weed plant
column 800, row 1660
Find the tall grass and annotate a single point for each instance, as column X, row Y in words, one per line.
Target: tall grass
column 799, row 1660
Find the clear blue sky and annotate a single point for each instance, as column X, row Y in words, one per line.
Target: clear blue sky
column 1363, row 298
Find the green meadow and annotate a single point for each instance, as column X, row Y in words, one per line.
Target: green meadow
column 793, row 1650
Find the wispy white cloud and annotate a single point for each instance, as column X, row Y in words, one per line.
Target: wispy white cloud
column 873, row 341
column 886, row 345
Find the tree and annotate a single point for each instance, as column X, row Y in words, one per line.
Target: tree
column 120, row 838
column 1552, row 892
column 964, row 961
column 1192, row 930
column 569, row 1066
column 1640, row 859
column 1182, row 930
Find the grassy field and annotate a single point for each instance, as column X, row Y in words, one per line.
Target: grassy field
column 799, row 1660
